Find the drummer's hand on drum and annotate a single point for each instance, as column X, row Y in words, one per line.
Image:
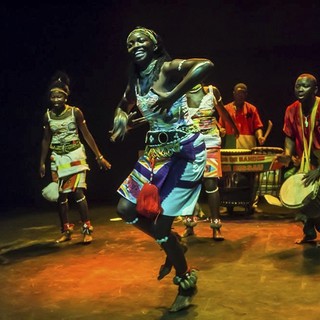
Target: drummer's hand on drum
column 261, row 140
column 284, row 159
column 236, row 133
column 296, row 161
column 311, row 177
column 222, row 132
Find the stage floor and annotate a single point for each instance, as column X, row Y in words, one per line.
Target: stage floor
column 257, row 273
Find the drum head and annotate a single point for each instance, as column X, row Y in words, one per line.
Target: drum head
column 266, row 150
column 293, row 194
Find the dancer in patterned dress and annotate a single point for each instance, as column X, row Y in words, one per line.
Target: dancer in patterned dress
column 174, row 157
column 68, row 158
column 204, row 103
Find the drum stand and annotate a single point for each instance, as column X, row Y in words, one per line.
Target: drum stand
column 247, row 174
column 238, row 189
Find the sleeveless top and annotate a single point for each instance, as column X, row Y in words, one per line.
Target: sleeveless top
column 203, row 117
column 168, row 130
column 64, row 131
column 68, row 154
column 177, row 116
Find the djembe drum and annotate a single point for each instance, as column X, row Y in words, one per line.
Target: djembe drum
column 295, row 195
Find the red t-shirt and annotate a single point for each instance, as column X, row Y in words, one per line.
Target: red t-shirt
column 292, row 127
column 247, row 119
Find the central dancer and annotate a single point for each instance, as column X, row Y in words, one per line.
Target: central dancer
column 166, row 180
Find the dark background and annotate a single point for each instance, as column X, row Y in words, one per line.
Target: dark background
column 265, row 44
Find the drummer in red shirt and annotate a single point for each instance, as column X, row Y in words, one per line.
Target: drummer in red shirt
column 301, row 118
column 248, row 121
column 247, row 118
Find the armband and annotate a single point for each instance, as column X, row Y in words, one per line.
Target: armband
column 180, row 65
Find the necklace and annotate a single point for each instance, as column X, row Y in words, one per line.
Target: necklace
column 63, row 112
column 148, row 70
column 144, row 81
column 306, row 123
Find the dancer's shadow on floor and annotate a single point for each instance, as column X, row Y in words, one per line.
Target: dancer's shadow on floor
column 186, row 314
column 20, row 250
column 295, row 260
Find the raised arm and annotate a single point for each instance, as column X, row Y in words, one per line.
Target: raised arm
column 123, row 115
column 223, row 113
column 190, row 72
column 177, row 77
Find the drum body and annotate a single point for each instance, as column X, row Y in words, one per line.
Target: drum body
column 247, row 173
column 269, row 182
column 236, row 185
column 295, row 195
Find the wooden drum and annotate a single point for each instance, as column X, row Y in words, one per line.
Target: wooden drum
column 236, row 184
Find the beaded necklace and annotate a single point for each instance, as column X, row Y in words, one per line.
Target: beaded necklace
column 148, row 70
column 145, row 81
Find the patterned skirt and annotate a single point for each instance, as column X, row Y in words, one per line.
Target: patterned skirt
column 178, row 177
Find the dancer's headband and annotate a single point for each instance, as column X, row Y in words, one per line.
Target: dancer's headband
column 148, row 32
